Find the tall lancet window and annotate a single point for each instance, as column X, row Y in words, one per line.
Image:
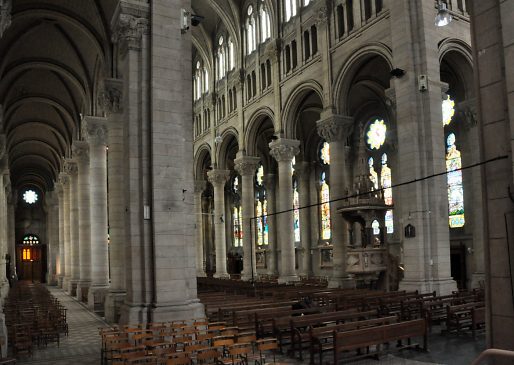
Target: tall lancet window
column 265, row 23
column 296, row 205
column 379, row 169
column 261, row 208
column 290, row 9
column 237, row 215
column 324, row 194
column 251, row 31
column 221, row 58
column 456, row 217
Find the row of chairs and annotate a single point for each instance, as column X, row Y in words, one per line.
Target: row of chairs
column 176, row 343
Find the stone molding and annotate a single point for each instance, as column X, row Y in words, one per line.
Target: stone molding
column 70, row 168
column 5, row 15
column 284, row 149
column 468, row 111
column 323, row 14
column 94, row 130
column 218, row 176
column 111, row 98
column 272, row 50
column 200, row 186
column 246, row 165
column 335, row 128
column 80, row 151
column 59, row 189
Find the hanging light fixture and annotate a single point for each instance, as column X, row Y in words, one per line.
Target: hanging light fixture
column 443, row 16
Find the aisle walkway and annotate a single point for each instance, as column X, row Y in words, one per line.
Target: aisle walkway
column 82, row 346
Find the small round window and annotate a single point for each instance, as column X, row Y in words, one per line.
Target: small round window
column 30, row 196
column 376, row 135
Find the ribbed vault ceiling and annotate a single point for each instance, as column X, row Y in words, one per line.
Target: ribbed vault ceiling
column 52, row 56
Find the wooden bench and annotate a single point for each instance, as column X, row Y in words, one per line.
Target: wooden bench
column 469, row 315
column 321, row 339
column 378, row 336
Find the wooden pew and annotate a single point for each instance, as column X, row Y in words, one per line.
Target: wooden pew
column 460, row 316
column 320, row 339
column 377, row 336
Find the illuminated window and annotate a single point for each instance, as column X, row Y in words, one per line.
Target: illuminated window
column 376, row 134
column 325, row 153
column 30, row 196
column 376, row 227
column 325, row 208
column 251, row 38
column 265, row 24
column 373, row 174
column 290, row 9
column 448, row 110
column 30, row 240
column 296, row 211
column 455, row 189
column 261, row 208
column 237, row 216
column 26, row 254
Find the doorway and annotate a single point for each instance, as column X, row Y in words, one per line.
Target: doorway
column 458, row 265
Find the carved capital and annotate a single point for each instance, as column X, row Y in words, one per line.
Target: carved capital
column 335, row 128
column 94, row 130
column 128, row 30
column 5, row 15
column 284, row 149
column 70, row 169
column 80, row 150
column 200, row 186
column 218, row 177
column 58, row 187
column 111, row 97
column 322, row 16
column 246, row 165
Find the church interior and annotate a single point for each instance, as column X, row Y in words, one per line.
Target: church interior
column 301, row 175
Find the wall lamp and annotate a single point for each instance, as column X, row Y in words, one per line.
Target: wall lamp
column 187, row 19
column 443, row 16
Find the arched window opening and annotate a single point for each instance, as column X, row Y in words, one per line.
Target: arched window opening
column 221, row 58
column 306, row 2
column 324, row 194
column 237, row 215
column 314, row 42
column 231, row 56
column 265, row 25
column 379, row 169
column 261, row 208
column 290, row 9
column 306, row 44
column 455, row 189
column 340, row 20
column 251, row 38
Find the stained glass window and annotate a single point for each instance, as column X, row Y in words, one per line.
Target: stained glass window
column 389, row 221
column 455, row 189
column 325, row 153
column 237, row 219
column 261, row 208
column 30, row 240
column 296, row 211
column 325, row 208
column 385, row 181
column 260, row 175
column 30, row 196
column 448, row 110
column 372, row 173
column 376, row 134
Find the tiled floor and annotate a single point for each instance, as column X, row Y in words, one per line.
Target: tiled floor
column 82, row 346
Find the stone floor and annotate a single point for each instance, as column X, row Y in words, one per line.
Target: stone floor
column 82, row 346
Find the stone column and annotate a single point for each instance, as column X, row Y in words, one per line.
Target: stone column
column 303, row 172
column 271, row 252
column 5, row 183
column 60, row 260
column 283, row 150
column 336, row 129
column 65, row 181
column 81, row 154
column 111, row 100
column 94, row 130
column 218, row 178
column 72, row 169
column 246, row 166
column 419, row 119
column 53, row 235
column 11, row 244
column 199, row 189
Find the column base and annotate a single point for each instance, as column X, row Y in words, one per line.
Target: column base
column 96, row 298
column 284, row 279
column 222, row 275
column 246, row 277
column 71, row 288
column 133, row 313
column 82, row 290
column 188, row 310
column 112, row 305
column 441, row 287
column 201, row 274
column 60, row 281
column 477, row 280
column 343, row 282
